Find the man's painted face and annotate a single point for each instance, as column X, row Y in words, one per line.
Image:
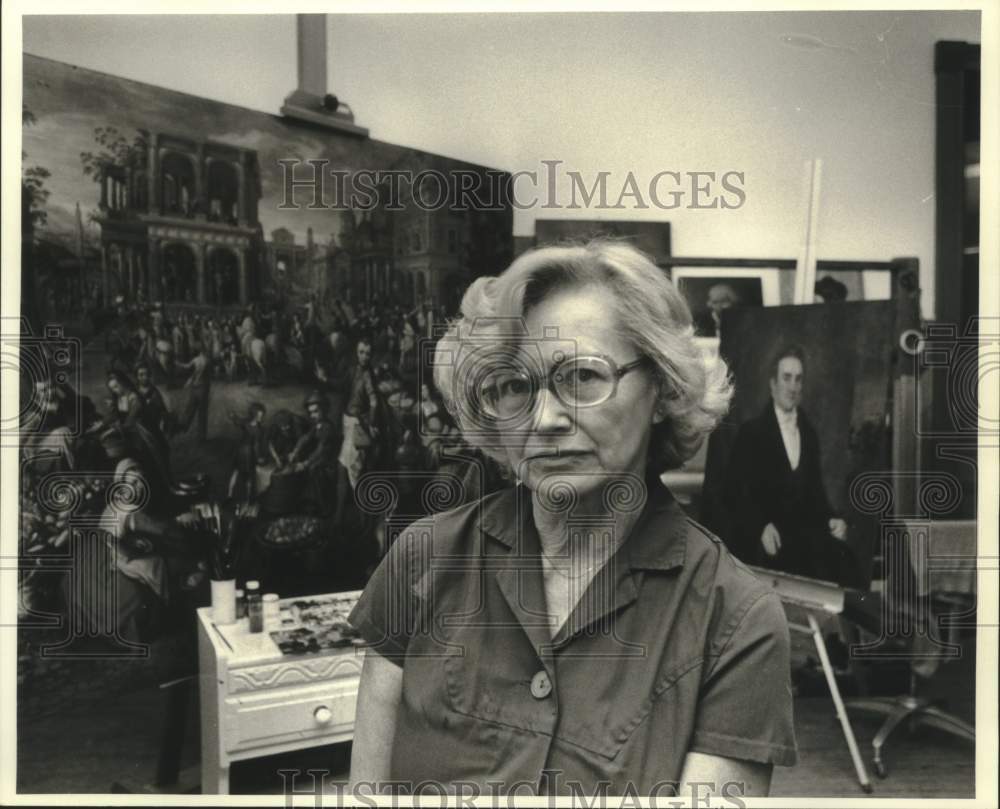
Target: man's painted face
column 315, row 414
column 786, row 386
column 142, row 375
column 364, row 354
column 720, row 298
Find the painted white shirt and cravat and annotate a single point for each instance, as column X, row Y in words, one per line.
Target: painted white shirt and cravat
column 788, row 423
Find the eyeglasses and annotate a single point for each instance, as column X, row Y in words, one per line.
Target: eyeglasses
column 576, row 382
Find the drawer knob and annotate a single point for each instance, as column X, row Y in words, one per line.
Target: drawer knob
column 323, row 715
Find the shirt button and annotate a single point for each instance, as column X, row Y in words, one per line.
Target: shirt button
column 541, row 685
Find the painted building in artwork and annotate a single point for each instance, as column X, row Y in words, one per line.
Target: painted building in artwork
column 402, row 257
column 429, row 251
column 189, row 204
column 285, row 261
column 179, row 222
column 437, row 250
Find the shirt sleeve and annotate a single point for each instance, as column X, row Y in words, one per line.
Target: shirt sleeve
column 388, row 611
column 745, row 708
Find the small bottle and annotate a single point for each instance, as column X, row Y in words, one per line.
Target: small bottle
column 272, row 612
column 255, row 606
column 241, row 605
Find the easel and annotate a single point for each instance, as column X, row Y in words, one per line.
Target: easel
column 825, row 598
column 805, row 266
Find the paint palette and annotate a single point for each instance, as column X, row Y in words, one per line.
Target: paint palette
column 316, row 624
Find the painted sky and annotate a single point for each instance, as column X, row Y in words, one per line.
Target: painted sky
column 70, row 104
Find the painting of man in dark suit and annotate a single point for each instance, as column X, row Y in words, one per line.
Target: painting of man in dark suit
column 781, row 517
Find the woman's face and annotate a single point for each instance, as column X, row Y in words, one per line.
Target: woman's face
column 582, row 446
column 115, row 387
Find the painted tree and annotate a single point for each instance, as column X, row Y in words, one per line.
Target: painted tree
column 34, row 195
column 115, row 149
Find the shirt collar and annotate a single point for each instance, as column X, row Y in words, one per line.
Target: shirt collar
column 505, row 514
column 786, row 419
column 657, row 540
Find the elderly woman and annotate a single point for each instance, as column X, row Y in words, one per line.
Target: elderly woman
column 576, row 629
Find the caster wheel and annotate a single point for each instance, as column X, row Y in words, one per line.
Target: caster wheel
column 879, row 769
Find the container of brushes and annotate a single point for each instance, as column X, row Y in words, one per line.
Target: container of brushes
column 224, row 601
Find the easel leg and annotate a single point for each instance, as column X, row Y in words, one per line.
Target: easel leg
column 845, row 722
column 169, row 764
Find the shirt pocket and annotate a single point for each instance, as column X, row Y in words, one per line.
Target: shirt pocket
column 605, row 703
column 489, row 678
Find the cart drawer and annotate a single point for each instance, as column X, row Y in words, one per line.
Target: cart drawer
column 286, row 715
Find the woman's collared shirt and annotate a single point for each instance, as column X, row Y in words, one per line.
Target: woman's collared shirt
column 675, row 647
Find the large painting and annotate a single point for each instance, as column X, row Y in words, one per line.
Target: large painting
column 653, row 238
column 201, row 300
column 811, row 412
column 711, row 290
column 154, row 195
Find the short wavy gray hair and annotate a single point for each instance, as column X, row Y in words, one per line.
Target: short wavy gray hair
column 651, row 313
